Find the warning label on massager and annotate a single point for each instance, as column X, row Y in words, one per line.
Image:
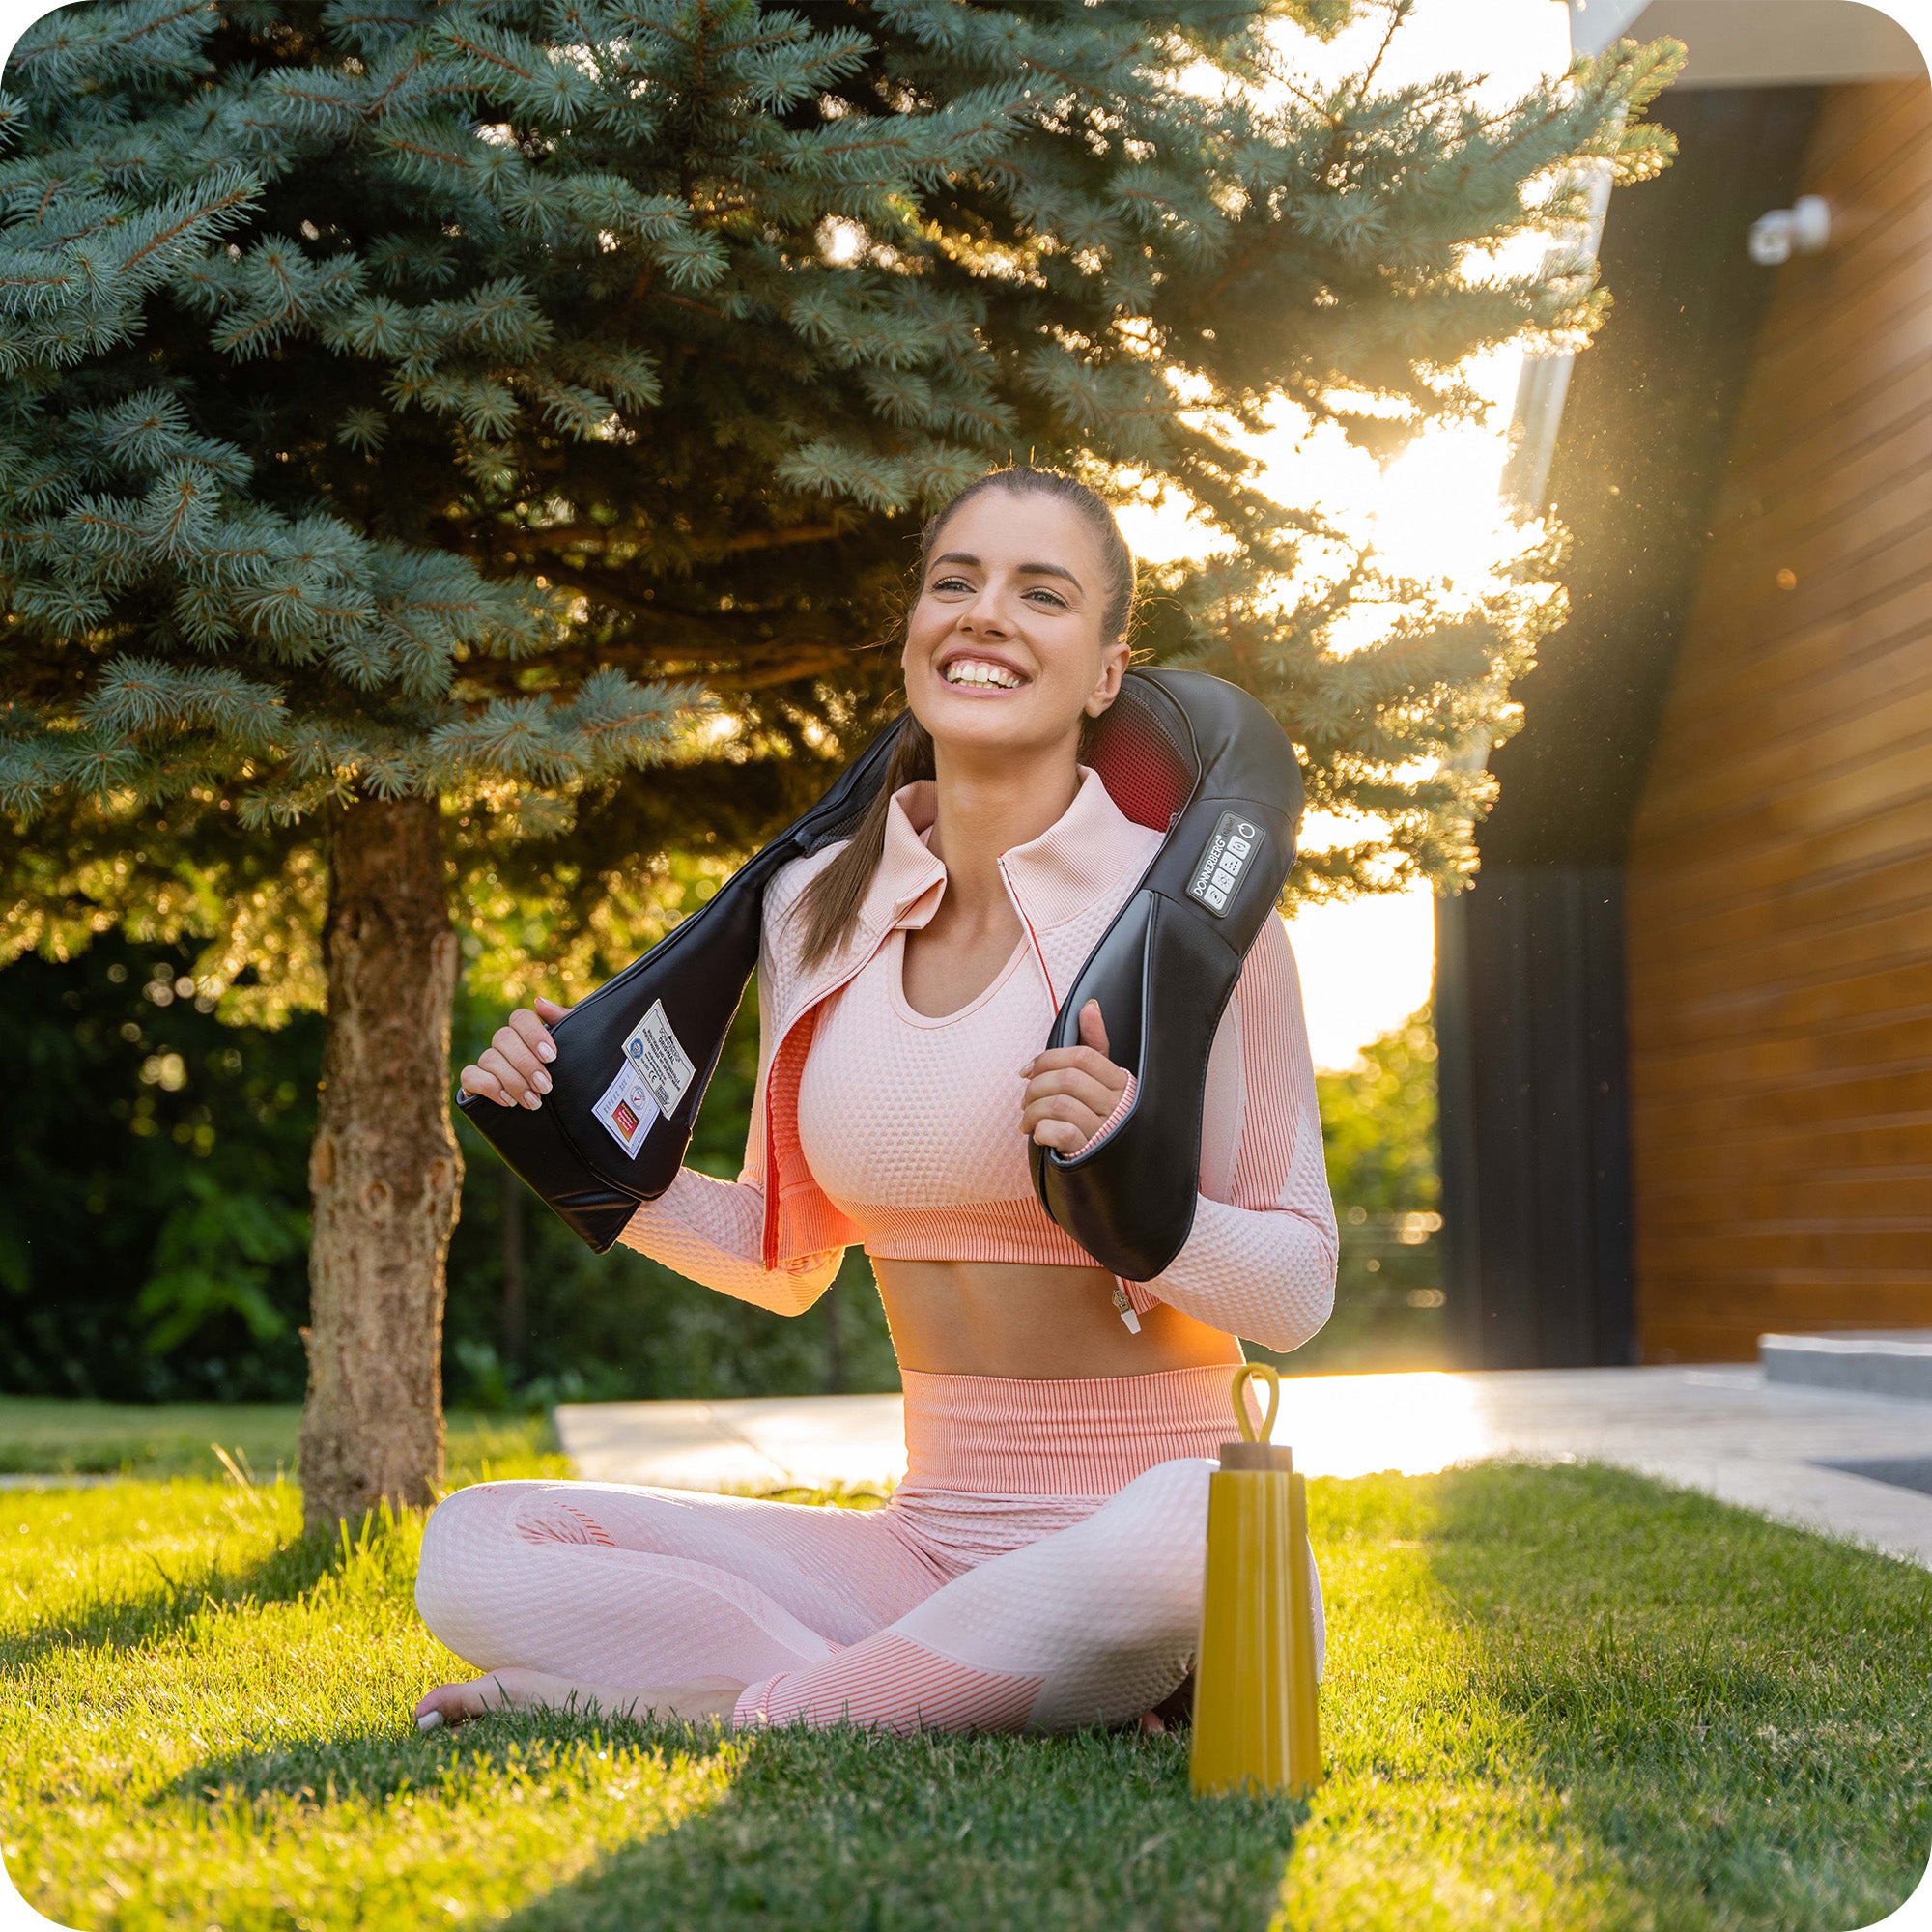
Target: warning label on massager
column 652, row 1080
column 661, row 1063
column 1229, row 854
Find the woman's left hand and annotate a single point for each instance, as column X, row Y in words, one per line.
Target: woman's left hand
column 1071, row 1089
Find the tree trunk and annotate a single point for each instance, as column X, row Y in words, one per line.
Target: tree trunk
column 384, row 1169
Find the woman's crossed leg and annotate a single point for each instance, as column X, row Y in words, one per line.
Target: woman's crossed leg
column 603, row 1587
column 783, row 1612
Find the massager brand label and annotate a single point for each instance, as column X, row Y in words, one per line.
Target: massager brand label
column 1234, row 845
column 658, row 1059
column 627, row 1110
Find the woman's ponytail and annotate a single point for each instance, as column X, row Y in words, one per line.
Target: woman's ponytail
column 831, row 902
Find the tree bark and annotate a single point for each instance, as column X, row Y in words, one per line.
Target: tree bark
column 384, row 1172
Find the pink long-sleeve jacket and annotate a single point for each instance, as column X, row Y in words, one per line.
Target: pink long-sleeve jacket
column 1260, row 1261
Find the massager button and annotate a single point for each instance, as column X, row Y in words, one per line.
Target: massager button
column 1223, row 861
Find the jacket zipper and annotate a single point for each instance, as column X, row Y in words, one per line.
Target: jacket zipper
column 1032, row 938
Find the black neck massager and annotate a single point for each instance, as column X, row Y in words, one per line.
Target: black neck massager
column 1182, row 752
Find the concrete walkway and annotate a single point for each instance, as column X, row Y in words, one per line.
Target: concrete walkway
column 53, row 1482
column 807, row 1440
column 1724, row 1431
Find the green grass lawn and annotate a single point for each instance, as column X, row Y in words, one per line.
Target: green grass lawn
column 173, row 1438
column 1557, row 1698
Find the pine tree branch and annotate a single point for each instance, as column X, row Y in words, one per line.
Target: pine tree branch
column 1399, row 13
column 723, row 665
column 625, row 306
column 528, row 538
column 785, row 537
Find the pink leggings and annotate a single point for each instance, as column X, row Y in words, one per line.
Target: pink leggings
column 962, row 1604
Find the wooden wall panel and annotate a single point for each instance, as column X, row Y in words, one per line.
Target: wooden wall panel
column 1779, row 910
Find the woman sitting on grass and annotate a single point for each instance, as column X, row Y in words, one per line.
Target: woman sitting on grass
column 1040, row 1566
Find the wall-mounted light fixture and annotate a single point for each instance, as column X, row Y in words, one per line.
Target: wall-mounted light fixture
column 1801, row 229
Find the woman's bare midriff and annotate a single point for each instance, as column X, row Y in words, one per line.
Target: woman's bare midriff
column 1030, row 1322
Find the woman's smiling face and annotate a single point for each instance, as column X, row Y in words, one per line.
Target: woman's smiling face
column 1004, row 647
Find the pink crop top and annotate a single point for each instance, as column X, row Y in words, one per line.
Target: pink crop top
column 871, row 1123
column 920, row 1183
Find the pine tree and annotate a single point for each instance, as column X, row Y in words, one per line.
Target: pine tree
column 410, row 413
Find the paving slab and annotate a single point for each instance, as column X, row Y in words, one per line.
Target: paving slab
column 809, row 1440
column 1731, row 1434
column 1773, row 1447
column 1881, row 1361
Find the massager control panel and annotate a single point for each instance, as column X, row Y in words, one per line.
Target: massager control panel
column 1231, row 851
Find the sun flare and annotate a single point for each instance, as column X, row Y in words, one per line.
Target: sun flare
column 1435, row 512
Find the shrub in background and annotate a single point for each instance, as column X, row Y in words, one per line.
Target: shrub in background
column 154, row 1202
column 153, row 1223
column 1380, row 1135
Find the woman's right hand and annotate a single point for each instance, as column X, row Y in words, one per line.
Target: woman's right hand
column 510, row 1070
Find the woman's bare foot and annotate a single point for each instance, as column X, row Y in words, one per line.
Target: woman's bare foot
column 521, row 1689
column 513, row 1689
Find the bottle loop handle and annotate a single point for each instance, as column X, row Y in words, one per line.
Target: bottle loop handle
column 1251, row 1372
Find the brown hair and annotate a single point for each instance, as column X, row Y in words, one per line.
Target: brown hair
column 830, row 903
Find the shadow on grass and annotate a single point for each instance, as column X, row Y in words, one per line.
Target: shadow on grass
column 1669, row 1715
column 380, row 1765
column 131, row 1620
column 845, row 1828
column 1733, row 1713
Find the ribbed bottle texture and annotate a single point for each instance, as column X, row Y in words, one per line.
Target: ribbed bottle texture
column 1256, row 1717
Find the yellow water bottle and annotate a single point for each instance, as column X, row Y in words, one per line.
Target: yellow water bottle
column 1255, row 1721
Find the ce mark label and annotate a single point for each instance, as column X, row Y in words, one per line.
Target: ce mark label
column 1229, row 854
